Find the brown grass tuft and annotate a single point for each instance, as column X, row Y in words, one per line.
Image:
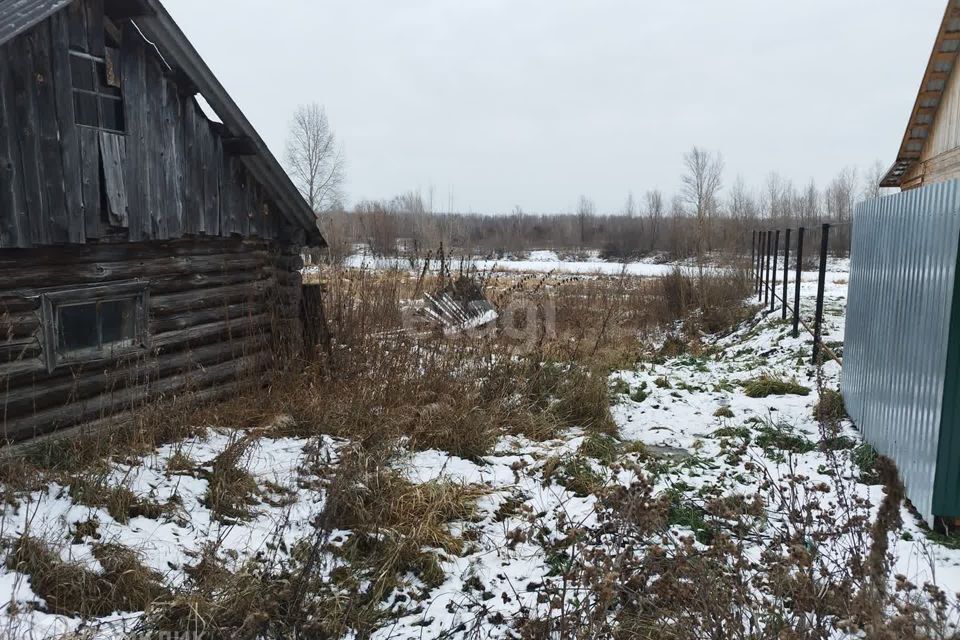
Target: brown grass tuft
column 72, row 589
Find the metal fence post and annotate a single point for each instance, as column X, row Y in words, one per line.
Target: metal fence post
column 766, row 288
column 776, row 254
column 753, row 256
column 796, row 293
column 760, row 240
column 786, row 271
column 821, row 290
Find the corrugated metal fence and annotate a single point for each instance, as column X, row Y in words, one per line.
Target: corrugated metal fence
column 902, row 281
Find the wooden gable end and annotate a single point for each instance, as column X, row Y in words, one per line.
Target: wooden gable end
column 170, row 173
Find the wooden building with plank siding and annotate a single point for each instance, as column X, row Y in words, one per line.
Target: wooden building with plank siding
column 930, row 151
column 146, row 249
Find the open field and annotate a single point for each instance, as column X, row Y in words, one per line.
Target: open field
column 622, row 457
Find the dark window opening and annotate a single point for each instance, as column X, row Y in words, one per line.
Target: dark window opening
column 97, row 95
column 96, row 327
column 94, row 323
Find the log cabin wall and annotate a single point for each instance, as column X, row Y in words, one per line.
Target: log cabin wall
column 216, row 310
column 160, row 170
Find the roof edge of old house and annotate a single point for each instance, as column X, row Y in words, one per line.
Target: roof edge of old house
column 926, row 109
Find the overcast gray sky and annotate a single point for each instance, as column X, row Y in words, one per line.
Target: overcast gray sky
column 534, row 102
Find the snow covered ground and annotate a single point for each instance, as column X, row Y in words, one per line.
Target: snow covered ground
column 550, row 262
column 691, row 412
column 534, row 262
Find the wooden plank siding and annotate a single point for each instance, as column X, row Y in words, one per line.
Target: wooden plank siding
column 167, row 177
column 938, row 161
column 216, row 307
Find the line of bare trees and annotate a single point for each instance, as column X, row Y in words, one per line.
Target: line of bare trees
column 706, row 216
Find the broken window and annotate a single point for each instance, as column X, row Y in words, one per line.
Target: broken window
column 93, row 323
column 97, row 96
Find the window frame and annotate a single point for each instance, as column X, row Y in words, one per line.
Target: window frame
column 52, row 301
column 98, row 93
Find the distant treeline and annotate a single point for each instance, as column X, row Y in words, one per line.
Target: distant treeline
column 685, row 226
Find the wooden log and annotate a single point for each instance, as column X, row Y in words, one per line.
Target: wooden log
column 89, row 382
column 102, row 405
column 205, row 281
column 164, row 305
column 53, row 276
column 12, row 370
column 206, row 316
column 125, row 419
column 183, row 338
column 227, row 248
column 20, row 349
column 18, row 325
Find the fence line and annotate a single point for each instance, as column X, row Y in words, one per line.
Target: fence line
column 764, row 251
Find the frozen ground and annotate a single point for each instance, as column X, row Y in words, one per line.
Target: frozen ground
column 669, row 408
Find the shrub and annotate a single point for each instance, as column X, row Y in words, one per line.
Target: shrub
column 576, row 474
column 830, row 408
column 620, row 387
column 776, row 438
column 865, row 458
column 684, row 513
column 641, row 394
column 600, row 446
column 767, row 385
column 837, row 443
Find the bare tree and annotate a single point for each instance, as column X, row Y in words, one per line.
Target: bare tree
column 655, row 211
column 314, row 158
column 810, row 209
column 841, row 196
column 875, row 175
column 701, row 185
column 630, row 207
column 741, row 204
column 585, row 210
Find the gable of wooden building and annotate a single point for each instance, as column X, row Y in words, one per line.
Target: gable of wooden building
column 168, row 172
column 930, row 150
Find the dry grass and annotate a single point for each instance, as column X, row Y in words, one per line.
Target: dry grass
column 231, row 490
column 72, row 589
column 767, row 385
column 98, row 489
column 379, row 385
column 221, row 604
column 400, row 519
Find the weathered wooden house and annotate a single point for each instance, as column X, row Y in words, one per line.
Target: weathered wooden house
column 146, row 250
column 930, row 151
